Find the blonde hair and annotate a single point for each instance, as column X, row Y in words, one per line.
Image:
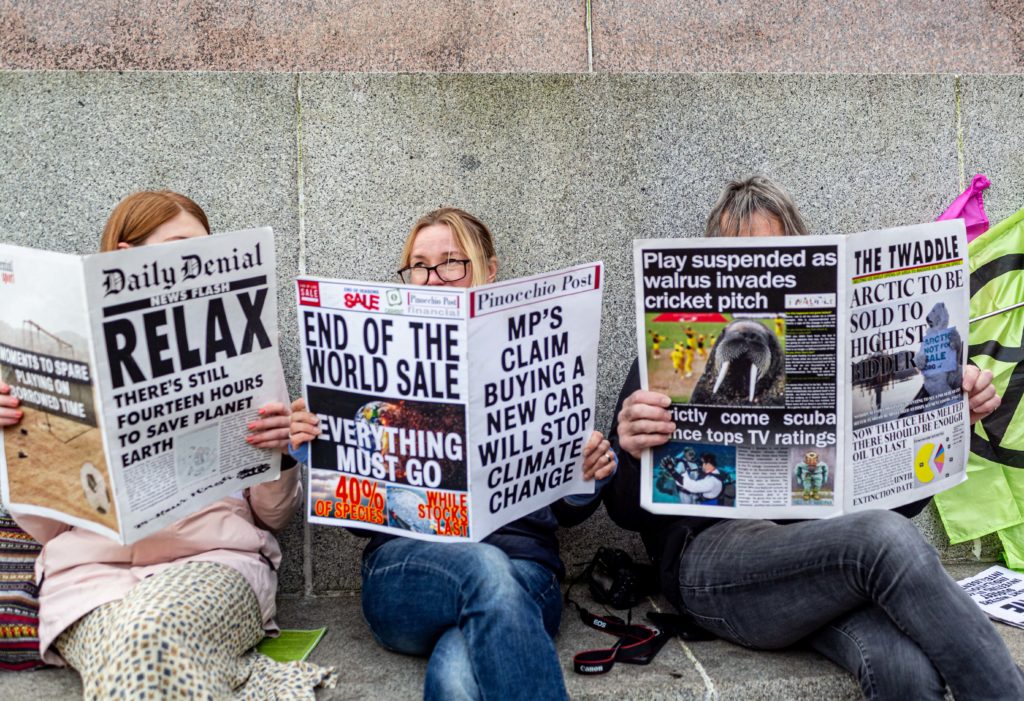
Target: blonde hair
column 741, row 199
column 469, row 234
column 140, row 213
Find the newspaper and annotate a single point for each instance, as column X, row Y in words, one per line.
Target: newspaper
column 1000, row 594
column 137, row 372
column 446, row 413
column 809, row 376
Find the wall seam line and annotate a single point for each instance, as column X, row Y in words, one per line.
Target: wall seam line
column 307, row 545
column 960, row 155
column 300, row 180
column 590, row 38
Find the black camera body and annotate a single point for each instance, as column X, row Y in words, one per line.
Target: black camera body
column 616, row 581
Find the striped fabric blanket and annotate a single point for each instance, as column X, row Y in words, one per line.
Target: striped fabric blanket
column 19, row 606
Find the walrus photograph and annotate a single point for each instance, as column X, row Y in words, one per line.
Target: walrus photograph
column 717, row 359
column 746, row 367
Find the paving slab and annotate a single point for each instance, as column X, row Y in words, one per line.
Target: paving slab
column 796, row 36
column 367, row 669
column 49, row 683
column 682, row 671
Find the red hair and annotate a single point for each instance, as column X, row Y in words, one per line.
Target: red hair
column 140, row 213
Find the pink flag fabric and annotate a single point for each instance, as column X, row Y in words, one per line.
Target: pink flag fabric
column 970, row 207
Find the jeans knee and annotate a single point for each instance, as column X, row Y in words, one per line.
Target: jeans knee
column 448, row 685
column 886, row 663
column 450, row 670
column 487, row 573
column 889, row 533
column 887, row 678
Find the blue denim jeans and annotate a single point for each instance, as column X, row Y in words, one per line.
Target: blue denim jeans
column 865, row 590
column 486, row 621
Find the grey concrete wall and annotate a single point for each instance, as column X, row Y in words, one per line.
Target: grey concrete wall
column 565, row 168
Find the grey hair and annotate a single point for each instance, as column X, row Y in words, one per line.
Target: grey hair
column 741, row 199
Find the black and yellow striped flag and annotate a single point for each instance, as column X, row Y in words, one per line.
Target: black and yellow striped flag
column 992, row 498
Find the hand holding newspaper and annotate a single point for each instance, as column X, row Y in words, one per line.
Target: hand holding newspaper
column 809, row 376
column 137, row 372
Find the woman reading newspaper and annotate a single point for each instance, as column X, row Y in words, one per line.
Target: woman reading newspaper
column 484, row 613
column 177, row 613
column 865, row 590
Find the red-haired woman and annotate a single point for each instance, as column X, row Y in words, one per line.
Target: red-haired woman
column 175, row 614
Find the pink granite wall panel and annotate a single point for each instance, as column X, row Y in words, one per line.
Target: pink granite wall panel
column 474, row 36
column 812, row 36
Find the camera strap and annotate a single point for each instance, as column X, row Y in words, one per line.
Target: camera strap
column 615, row 580
column 636, row 644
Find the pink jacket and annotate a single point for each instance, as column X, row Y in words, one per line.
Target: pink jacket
column 81, row 570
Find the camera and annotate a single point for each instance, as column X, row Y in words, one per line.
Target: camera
column 616, row 581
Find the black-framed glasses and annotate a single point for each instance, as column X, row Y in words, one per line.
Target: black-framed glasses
column 452, row 270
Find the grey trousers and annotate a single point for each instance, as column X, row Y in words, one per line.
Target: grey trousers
column 865, row 590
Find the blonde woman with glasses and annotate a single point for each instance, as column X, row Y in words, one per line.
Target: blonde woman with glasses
column 483, row 613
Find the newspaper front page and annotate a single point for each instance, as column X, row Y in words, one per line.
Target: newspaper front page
column 907, row 341
column 445, row 413
column 764, row 346
column 138, row 372
column 1000, row 594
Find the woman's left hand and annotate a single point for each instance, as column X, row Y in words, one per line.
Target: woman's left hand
column 270, row 431
column 10, row 414
column 981, row 393
column 598, row 458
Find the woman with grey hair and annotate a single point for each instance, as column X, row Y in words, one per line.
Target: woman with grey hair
column 865, row 590
column 754, row 207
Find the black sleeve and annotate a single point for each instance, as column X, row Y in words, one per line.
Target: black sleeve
column 912, row 509
column 568, row 515
column 622, row 495
column 361, row 532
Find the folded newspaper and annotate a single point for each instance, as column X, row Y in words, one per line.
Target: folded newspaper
column 809, row 375
column 137, row 372
column 445, row 413
column 1000, row 594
